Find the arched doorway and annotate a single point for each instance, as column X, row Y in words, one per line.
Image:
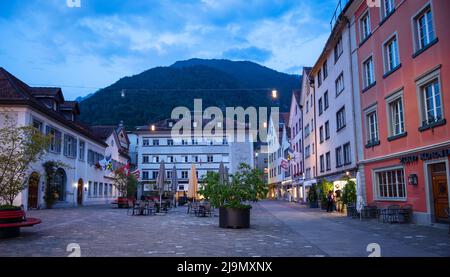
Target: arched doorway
column 80, row 192
column 33, row 190
column 59, row 185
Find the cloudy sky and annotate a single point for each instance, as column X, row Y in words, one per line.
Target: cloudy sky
column 44, row 42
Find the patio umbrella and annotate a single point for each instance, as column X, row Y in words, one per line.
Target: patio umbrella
column 227, row 177
column 193, row 184
column 221, row 173
column 160, row 181
column 359, row 193
column 174, row 182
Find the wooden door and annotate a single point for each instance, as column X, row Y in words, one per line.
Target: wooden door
column 33, row 191
column 440, row 194
column 80, row 193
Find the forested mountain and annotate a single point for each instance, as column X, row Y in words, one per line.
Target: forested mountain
column 152, row 94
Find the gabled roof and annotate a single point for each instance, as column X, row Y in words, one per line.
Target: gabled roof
column 70, row 105
column 15, row 92
column 45, row 92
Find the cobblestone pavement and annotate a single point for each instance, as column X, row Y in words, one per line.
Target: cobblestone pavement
column 278, row 229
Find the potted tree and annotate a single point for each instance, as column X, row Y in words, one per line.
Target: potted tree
column 232, row 198
column 349, row 197
column 126, row 185
column 20, row 147
column 313, row 197
column 324, row 188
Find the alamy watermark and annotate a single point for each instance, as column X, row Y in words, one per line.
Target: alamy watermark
column 73, row 3
column 238, row 124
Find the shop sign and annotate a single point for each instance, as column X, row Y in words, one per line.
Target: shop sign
column 425, row 156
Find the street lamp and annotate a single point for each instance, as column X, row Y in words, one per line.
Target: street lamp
column 274, row 94
column 153, row 128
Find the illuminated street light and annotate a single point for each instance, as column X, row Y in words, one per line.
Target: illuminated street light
column 153, row 128
column 274, row 94
column 122, row 94
column 265, row 125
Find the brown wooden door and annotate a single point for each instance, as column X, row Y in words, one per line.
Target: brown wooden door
column 80, row 193
column 33, row 191
column 440, row 194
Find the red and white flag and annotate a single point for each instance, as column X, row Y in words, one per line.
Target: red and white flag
column 137, row 174
column 285, row 164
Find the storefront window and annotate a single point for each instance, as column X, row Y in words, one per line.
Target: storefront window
column 391, row 184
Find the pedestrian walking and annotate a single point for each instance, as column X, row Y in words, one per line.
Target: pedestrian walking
column 330, row 201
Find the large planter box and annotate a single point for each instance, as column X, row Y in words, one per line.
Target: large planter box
column 234, row 218
column 8, row 217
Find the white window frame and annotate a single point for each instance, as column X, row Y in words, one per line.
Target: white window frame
column 415, row 26
column 373, row 109
column 365, row 26
column 375, row 185
column 397, row 96
column 421, row 82
column 366, row 82
column 339, row 80
column 387, row 57
column 384, row 12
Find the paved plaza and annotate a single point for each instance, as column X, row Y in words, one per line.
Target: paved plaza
column 278, row 229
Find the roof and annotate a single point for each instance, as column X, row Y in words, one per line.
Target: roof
column 14, row 92
column 70, row 105
column 103, row 132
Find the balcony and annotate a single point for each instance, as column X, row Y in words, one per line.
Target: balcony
column 337, row 12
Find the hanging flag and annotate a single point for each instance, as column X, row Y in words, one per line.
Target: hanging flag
column 285, row 164
column 137, row 174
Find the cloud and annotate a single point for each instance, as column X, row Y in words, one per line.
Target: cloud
column 249, row 53
column 105, row 40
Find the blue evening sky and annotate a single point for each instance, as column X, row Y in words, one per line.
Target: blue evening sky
column 44, row 42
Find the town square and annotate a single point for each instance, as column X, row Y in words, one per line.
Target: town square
column 253, row 129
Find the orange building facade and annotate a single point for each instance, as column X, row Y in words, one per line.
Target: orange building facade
column 404, row 77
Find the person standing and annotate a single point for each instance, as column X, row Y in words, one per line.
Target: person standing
column 330, row 201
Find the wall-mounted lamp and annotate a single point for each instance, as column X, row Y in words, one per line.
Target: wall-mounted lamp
column 412, row 179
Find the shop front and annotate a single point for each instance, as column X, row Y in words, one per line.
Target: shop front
column 417, row 179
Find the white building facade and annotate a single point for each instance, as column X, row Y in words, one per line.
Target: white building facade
column 77, row 181
column 337, row 103
column 155, row 144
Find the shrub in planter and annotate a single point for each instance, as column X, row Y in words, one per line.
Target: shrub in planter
column 232, row 198
column 349, row 197
column 126, row 185
column 313, row 197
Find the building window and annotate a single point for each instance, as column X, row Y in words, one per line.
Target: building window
column 55, row 140
column 184, row 142
column 184, row 174
column 70, row 146
column 145, row 159
column 170, row 142
column 170, row 159
column 156, row 159
column 430, row 99
column 90, row 189
column 327, row 130
column 390, row 184
column 307, row 151
column 169, row 175
column 387, row 7
column 320, row 106
column 340, row 119
column 145, row 175
column 328, row 160
column 372, row 127
column 210, row 158
column 338, row 49
column 100, row 189
column 322, row 163
column 325, row 101
column 347, row 154
column 339, row 84
column 424, row 30
column 321, row 134
column 339, row 161
column 325, row 69
column 145, row 142
column 95, row 189
column 396, row 116
column 306, row 130
column 155, row 175
column 368, row 72
column 185, row 159
column 195, row 159
column 38, row 125
column 365, row 26
column 156, row 142
column 82, row 150
column 319, row 78
column 391, row 56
